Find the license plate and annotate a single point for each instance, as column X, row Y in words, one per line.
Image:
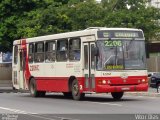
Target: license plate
column 126, row 88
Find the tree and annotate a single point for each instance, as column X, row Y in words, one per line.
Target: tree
column 130, row 13
column 30, row 18
column 11, row 13
column 85, row 14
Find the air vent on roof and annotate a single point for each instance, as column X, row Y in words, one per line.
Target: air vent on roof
column 94, row 28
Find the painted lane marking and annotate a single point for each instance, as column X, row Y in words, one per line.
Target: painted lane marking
column 112, row 104
column 148, row 97
column 14, row 110
column 35, row 114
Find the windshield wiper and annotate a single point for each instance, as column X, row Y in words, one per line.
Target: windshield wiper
column 130, row 43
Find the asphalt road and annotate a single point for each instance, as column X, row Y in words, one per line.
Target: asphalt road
column 93, row 107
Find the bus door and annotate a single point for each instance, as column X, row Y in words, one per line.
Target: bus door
column 21, row 67
column 89, row 66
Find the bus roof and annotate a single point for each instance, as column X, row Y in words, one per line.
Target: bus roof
column 86, row 32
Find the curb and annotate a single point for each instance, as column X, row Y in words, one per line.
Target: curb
column 7, row 90
column 150, row 94
column 143, row 94
column 13, row 91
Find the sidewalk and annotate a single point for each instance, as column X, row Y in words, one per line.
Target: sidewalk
column 5, row 85
column 6, row 89
column 152, row 92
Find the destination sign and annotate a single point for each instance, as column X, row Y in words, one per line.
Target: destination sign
column 119, row 34
column 126, row 34
column 112, row 67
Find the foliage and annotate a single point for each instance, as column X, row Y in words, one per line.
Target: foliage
column 30, row 18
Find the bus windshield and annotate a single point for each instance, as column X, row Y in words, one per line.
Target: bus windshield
column 121, row 54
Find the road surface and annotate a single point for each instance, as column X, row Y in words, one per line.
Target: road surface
column 96, row 106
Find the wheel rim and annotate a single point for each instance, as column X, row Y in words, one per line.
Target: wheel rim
column 75, row 89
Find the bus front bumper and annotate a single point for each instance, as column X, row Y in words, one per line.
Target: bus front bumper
column 122, row 88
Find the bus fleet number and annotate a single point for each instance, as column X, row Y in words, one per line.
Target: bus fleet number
column 113, row 43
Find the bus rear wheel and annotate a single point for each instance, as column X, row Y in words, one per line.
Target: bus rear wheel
column 75, row 91
column 33, row 89
column 117, row 95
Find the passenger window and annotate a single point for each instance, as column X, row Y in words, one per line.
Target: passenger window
column 75, row 49
column 31, row 52
column 50, row 49
column 62, row 50
column 39, row 52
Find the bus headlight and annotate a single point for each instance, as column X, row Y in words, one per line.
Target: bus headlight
column 104, row 82
column 143, row 80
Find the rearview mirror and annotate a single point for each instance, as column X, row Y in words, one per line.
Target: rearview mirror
column 149, row 75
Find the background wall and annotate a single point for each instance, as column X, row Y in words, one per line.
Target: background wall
column 5, row 74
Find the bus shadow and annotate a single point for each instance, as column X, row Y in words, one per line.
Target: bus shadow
column 89, row 98
column 108, row 99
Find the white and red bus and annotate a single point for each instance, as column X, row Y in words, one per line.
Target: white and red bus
column 95, row 60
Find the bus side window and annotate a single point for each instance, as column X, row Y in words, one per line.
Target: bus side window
column 15, row 54
column 50, row 48
column 39, row 52
column 62, row 50
column 74, row 49
column 31, row 52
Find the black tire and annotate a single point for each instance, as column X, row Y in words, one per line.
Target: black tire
column 33, row 88
column 67, row 94
column 117, row 95
column 158, row 87
column 75, row 91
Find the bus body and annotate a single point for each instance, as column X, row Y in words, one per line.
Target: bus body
column 97, row 60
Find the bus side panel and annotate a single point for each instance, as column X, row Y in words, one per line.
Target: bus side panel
column 56, row 84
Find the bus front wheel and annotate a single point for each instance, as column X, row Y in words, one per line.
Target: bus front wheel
column 75, row 91
column 117, row 95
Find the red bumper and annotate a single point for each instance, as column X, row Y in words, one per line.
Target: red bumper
column 125, row 88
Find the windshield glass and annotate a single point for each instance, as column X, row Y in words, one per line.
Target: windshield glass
column 121, row 54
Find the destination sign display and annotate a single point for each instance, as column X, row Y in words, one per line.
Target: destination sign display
column 119, row 34
column 126, row 34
